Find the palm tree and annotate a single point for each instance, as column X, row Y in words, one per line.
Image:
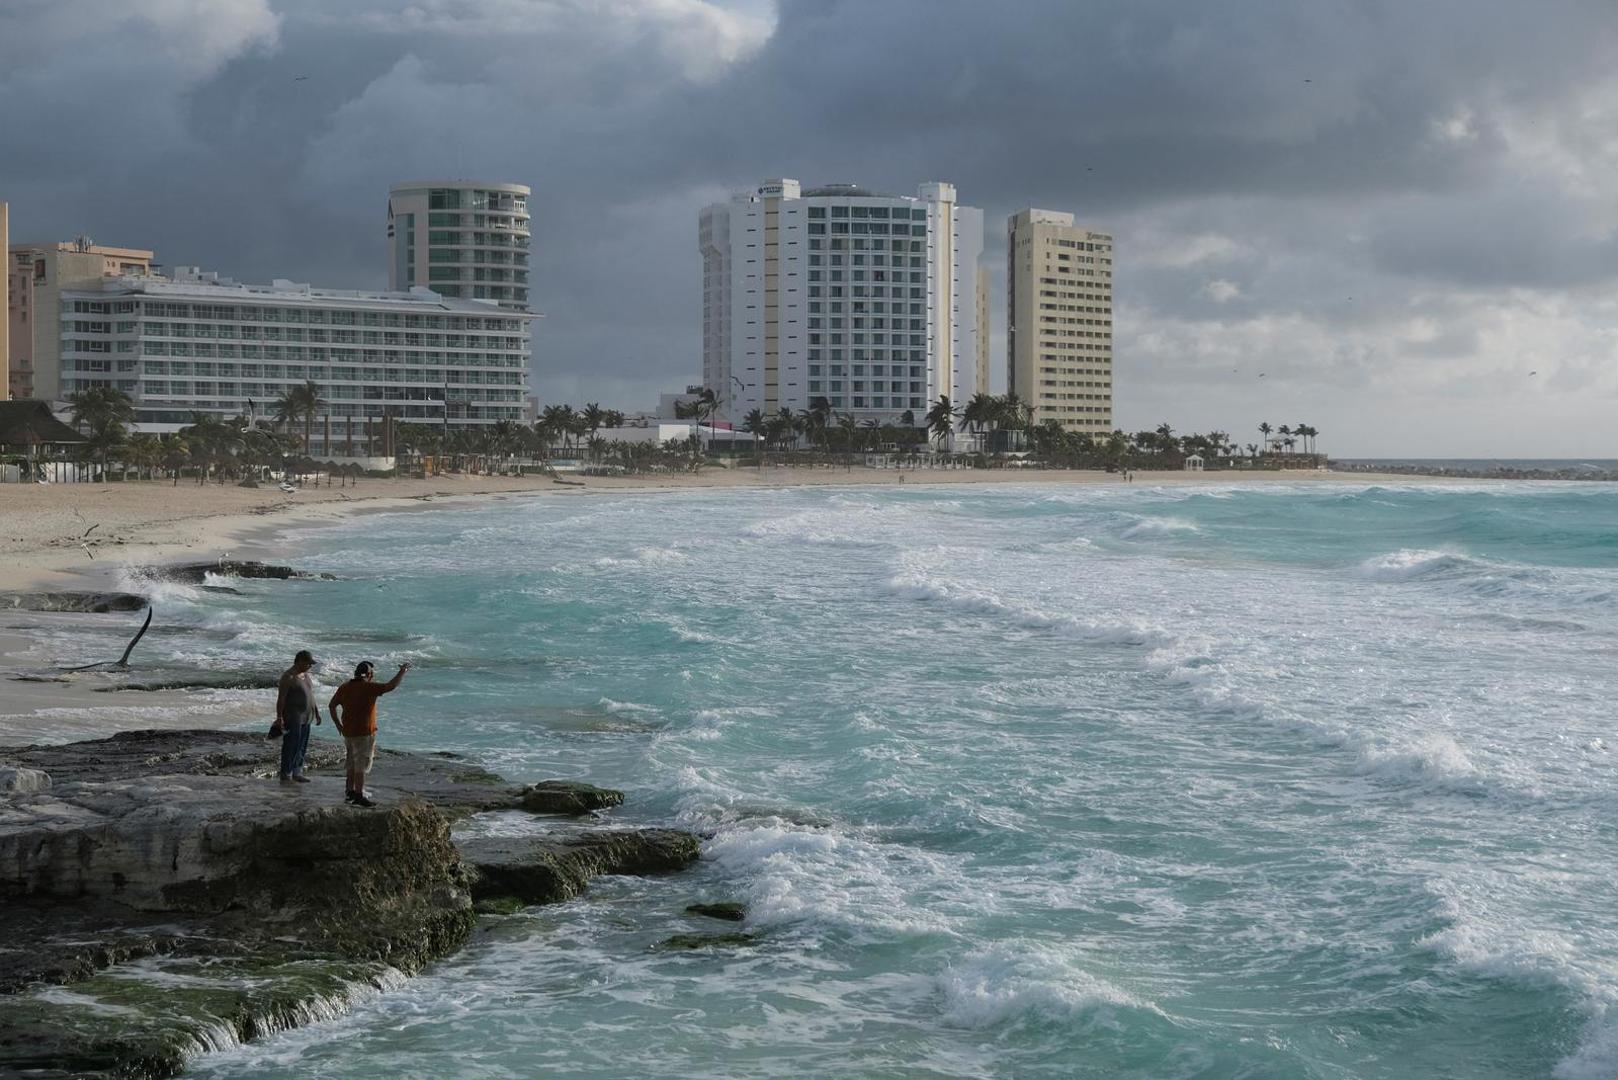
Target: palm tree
column 305, row 402
column 847, row 425
column 871, row 434
column 941, row 419
column 105, row 411
column 504, row 438
column 100, row 407
column 979, row 412
column 817, row 420
column 707, row 403
column 1264, row 429
column 176, row 455
column 145, row 452
column 284, row 410
column 594, row 416
column 755, row 424
column 1285, row 433
column 1166, row 443
column 552, row 423
column 212, row 442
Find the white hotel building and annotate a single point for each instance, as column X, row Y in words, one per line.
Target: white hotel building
column 868, row 300
column 201, row 343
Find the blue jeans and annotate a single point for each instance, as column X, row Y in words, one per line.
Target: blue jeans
column 294, row 744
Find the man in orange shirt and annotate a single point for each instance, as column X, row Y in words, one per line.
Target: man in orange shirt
column 357, row 721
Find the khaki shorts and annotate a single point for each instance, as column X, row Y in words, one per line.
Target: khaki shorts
column 361, row 752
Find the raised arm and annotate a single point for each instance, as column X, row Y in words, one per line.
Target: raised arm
column 393, row 683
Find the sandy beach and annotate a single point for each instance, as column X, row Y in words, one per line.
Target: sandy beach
column 86, row 536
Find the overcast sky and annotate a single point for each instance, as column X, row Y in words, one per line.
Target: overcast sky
column 1403, row 213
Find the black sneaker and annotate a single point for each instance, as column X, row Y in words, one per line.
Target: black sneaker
column 361, row 800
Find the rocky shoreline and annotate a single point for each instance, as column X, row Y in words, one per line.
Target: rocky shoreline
column 164, row 896
column 1502, row 472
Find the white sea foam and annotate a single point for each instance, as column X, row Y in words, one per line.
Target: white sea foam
column 645, row 556
column 1432, row 758
column 1145, row 528
column 828, row 879
column 620, row 707
column 1409, row 564
column 158, row 589
column 1014, row 981
column 921, row 585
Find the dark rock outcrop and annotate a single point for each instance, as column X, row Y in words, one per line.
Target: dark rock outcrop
column 568, row 797
column 98, row 603
column 728, row 911
column 195, row 680
column 162, row 895
column 196, row 573
column 692, row 942
column 551, row 869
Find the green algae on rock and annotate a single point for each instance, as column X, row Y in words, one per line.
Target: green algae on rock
column 164, row 897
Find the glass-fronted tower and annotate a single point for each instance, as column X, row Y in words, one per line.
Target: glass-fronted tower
column 461, row 238
column 838, row 292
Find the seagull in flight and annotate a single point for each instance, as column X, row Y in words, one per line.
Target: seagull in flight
column 299, row 78
column 1531, row 374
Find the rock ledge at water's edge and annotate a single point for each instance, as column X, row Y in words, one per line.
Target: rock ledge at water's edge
column 162, row 895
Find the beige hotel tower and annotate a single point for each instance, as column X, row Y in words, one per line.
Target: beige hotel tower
column 1059, row 320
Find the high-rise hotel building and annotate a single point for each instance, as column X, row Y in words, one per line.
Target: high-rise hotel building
column 460, row 238
column 198, row 343
column 870, row 301
column 1059, row 320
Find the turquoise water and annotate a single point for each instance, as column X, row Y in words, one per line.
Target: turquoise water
column 1277, row 782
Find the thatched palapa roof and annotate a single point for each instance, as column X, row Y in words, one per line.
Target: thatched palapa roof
column 31, row 423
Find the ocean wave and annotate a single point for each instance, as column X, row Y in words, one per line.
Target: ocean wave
column 1192, row 665
column 1409, row 564
column 843, row 523
column 1481, row 940
column 827, row 879
column 1146, row 528
column 1431, row 759
column 1013, row 982
column 919, row 586
column 160, row 590
column 1596, row 1057
column 645, row 556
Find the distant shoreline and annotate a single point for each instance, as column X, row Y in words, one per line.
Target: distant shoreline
column 78, row 535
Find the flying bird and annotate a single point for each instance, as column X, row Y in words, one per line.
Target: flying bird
column 1531, row 374
column 299, row 78
column 1261, row 374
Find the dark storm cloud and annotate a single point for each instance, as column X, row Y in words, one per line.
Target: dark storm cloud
column 1345, row 193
